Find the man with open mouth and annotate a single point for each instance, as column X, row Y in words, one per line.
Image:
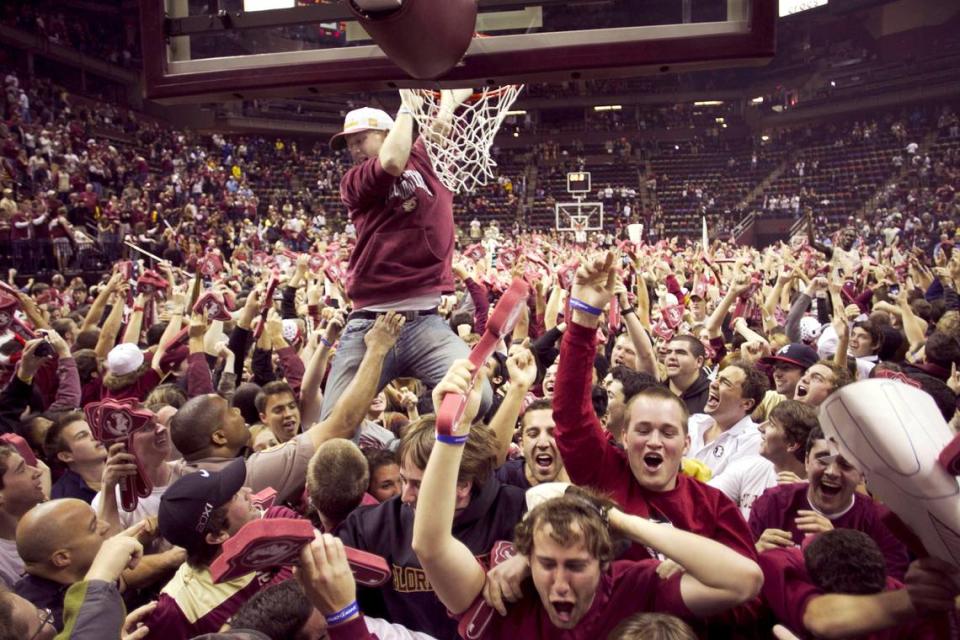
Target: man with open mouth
column 568, row 543
column 784, row 515
column 643, row 475
column 724, row 432
column 541, row 460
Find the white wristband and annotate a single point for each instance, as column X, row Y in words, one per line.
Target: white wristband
column 404, row 110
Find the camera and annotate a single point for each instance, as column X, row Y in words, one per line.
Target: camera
column 44, row 350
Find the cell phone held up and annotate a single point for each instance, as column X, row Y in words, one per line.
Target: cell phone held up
column 44, row 349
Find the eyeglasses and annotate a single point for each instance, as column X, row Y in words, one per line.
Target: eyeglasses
column 46, row 618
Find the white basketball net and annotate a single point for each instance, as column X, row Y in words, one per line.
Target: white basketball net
column 460, row 153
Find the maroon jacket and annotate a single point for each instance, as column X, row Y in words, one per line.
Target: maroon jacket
column 404, row 231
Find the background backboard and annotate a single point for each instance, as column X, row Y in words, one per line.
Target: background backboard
column 208, row 50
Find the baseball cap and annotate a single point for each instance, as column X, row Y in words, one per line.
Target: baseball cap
column 363, row 119
column 186, row 505
column 796, row 354
column 124, row 358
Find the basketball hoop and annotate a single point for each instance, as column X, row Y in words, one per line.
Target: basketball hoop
column 579, row 224
column 460, row 151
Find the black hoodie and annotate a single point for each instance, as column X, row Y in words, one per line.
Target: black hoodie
column 695, row 397
column 387, row 530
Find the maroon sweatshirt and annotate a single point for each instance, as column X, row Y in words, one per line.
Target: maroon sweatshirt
column 404, row 231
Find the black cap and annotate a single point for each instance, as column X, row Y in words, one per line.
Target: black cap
column 796, row 354
column 186, row 505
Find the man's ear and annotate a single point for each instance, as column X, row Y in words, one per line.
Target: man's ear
column 218, row 438
column 60, row 558
column 65, row 457
column 216, row 538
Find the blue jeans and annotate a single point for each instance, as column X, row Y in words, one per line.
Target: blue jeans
column 425, row 350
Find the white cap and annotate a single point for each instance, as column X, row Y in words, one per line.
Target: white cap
column 809, row 329
column 124, row 358
column 363, row 119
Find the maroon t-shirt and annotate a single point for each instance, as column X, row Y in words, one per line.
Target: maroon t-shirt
column 787, row 590
column 404, row 231
column 592, row 459
column 778, row 506
column 138, row 390
column 625, row 589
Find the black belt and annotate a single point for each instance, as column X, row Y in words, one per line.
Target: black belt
column 410, row 316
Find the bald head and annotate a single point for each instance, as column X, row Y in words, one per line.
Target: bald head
column 52, row 526
column 194, row 423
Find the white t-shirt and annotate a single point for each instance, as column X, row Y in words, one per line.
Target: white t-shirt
column 744, row 480
column 741, row 440
column 11, row 566
column 146, row 507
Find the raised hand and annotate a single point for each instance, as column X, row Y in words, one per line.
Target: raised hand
column 458, row 380
column 198, row 326
column 522, row 367
column 116, row 554
column 593, row 284
column 385, row 331
column 30, row 362
column 334, row 327
column 118, row 466
column 505, row 582
column 58, row 343
column 325, row 576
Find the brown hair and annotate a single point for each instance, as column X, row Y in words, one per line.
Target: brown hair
column 53, row 442
column 165, row 395
column 337, row 477
column 572, row 518
column 660, row 392
column 797, row 420
column 5, row 453
column 652, row 626
column 274, row 388
column 841, row 374
column 755, row 383
column 479, row 453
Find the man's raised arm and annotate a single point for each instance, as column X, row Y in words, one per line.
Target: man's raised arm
column 580, row 437
column 457, row 578
column 352, row 405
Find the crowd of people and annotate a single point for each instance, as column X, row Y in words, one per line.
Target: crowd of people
column 646, row 437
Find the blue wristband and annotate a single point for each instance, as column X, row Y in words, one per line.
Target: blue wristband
column 326, row 343
column 454, row 440
column 349, row 611
column 580, row 305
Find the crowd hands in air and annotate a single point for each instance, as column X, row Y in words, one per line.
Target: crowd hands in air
column 656, row 461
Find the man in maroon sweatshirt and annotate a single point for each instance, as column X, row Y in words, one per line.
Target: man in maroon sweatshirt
column 402, row 262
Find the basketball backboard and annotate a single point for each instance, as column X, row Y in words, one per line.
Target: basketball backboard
column 579, row 216
column 212, row 50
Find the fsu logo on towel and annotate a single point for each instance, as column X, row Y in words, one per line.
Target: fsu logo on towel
column 718, row 451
